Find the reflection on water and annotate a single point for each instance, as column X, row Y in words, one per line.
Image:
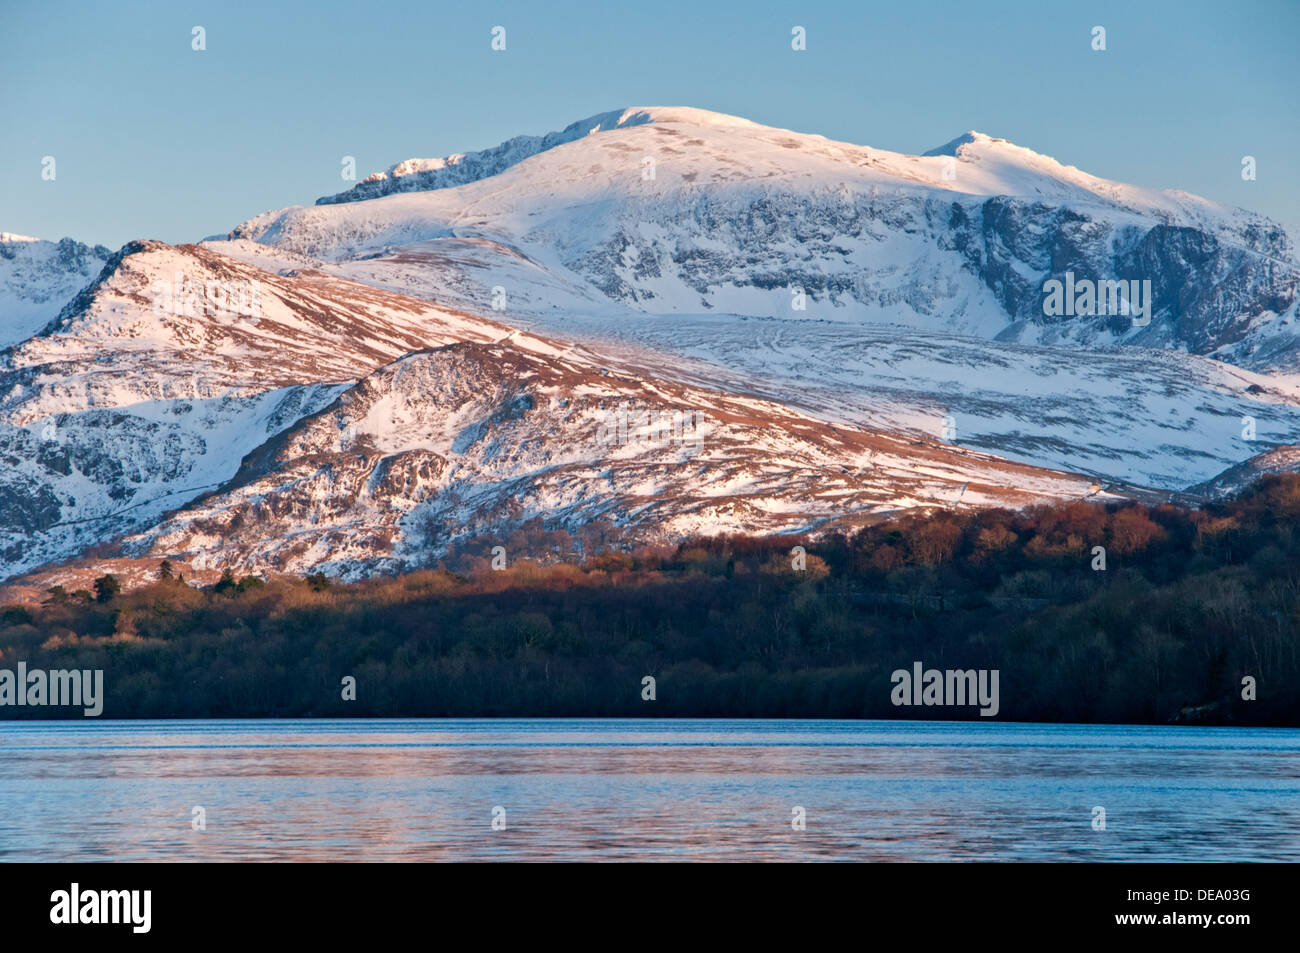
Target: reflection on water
column 645, row 790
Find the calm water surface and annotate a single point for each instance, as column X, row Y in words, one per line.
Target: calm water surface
column 644, row 790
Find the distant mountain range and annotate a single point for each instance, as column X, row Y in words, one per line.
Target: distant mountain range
column 455, row 347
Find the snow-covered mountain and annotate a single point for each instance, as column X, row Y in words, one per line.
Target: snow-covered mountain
column 854, row 283
column 365, row 419
column 683, row 211
column 668, row 321
column 38, row 277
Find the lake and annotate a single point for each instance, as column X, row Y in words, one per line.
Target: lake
column 332, row 790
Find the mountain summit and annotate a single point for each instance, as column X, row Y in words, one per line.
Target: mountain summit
column 418, row 175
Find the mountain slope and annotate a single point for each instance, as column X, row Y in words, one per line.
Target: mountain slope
column 152, row 383
column 1280, row 459
column 468, row 442
column 418, row 175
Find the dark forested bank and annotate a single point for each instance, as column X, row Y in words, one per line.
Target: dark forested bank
column 1191, row 608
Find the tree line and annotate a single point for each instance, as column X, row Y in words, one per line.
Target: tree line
column 1089, row 612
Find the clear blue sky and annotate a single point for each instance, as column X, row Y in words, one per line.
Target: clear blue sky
column 154, row 140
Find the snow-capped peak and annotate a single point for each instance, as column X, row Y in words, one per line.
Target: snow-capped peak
column 419, row 175
column 953, row 148
column 1022, row 171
